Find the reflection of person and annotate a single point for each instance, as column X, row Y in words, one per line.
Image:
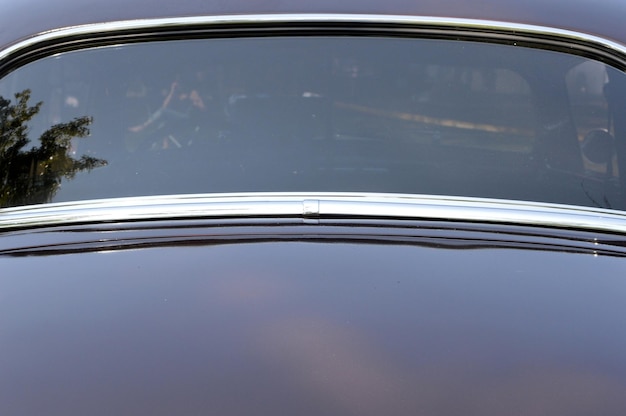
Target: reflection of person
column 177, row 104
column 193, row 96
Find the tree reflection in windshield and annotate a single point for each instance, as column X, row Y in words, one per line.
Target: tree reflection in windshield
column 32, row 175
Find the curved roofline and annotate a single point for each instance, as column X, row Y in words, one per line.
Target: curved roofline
column 497, row 30
column 24, row 18
column 312, row 207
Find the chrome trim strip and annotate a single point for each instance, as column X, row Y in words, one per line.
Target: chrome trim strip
column 454, row 24
column 314, row 205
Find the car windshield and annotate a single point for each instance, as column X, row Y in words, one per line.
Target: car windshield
column 312, row 114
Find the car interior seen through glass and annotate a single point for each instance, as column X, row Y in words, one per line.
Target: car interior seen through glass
column 311, row 114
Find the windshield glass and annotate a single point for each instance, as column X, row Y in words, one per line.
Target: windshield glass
column 312, row 114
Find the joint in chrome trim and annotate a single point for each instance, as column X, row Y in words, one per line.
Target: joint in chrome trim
column 310, row 208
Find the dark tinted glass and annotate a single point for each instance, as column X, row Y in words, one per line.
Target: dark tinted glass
column 311, row 114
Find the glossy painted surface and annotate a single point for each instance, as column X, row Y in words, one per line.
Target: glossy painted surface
column 599, row 18
column 273, row 325
column 297, row 317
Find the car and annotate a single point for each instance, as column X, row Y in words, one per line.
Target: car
column 334, row 207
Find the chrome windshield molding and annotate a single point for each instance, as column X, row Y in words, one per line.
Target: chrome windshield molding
column 314, row 205
column 398, row 22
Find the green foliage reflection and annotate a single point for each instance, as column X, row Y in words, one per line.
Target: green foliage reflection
column 33, row 176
